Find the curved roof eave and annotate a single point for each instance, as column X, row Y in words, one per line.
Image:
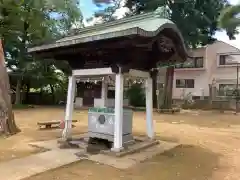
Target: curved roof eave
column 146, row 25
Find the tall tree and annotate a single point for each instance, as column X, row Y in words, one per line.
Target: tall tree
column 229, row 20
column 32, row 22
column 7, row 121
column 196, row 19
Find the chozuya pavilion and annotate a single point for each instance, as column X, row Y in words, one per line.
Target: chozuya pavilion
column 126, row 48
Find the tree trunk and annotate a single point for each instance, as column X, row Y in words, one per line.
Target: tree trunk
column 27, row 93
column 168, row 87
column 7, row 121
column 39, row 101
column 52, row 91
column 18, row 91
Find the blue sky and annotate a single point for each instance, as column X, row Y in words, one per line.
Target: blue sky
column 88, row 8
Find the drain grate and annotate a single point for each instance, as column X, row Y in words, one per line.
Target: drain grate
column 96, row 145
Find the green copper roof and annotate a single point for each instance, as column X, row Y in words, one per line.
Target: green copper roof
column 146, row 22
column 146, row 25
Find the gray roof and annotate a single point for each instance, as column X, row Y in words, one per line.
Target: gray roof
column 146, row 25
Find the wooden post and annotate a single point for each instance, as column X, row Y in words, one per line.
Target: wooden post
column 168, row 88
column 117, row 145
column 149, row 107
column 69, row 107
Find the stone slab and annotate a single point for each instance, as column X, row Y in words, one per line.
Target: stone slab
column 18, row 169
column 132, row 148
column 50, row 144
column 124, row 162
column 132, row 159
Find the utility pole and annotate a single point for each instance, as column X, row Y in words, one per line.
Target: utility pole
column 235, row 61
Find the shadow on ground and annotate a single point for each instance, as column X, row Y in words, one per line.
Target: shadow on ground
column 185, row 162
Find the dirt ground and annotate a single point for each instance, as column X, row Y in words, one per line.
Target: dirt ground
column 209, row 151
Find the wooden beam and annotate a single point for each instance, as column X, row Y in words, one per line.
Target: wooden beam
column 138, row 73
column 92, row 72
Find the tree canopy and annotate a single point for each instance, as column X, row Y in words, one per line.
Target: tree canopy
column 28, row 22
column 229, row 19
column 197, row 19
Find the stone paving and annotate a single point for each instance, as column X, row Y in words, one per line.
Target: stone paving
column 117, row 162
column 18, row 169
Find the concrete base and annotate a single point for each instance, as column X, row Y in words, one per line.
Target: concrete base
column 133, row 153
column 125, row 137
column 134, row 145
column 115, row 150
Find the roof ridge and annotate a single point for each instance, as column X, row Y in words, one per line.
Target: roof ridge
column 116, row 22
column 229, row 44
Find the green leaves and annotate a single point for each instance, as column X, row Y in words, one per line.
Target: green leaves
column 197, row 19
column 32, row 22
column 229, row 21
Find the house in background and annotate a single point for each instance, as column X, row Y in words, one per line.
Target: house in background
column 209, row 65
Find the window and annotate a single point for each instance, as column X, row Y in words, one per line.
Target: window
column 229, row 86
column 185, row 83
column 196, row 62
column 189, row 63
column 189, row 83
column 160, row 85
column 222, row 59
column 180, row 83
column 227, row 89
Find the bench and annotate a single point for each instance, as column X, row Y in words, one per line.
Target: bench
column 51, row 124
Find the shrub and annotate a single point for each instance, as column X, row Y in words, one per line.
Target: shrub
column 136, row 96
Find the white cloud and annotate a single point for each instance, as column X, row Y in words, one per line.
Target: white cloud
column 223, row 37
column 121, row 12
column 93, row 21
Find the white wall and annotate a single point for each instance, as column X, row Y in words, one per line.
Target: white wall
column 204, row 76
column 223, row 74
column 200, row 83
column 198, row 74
